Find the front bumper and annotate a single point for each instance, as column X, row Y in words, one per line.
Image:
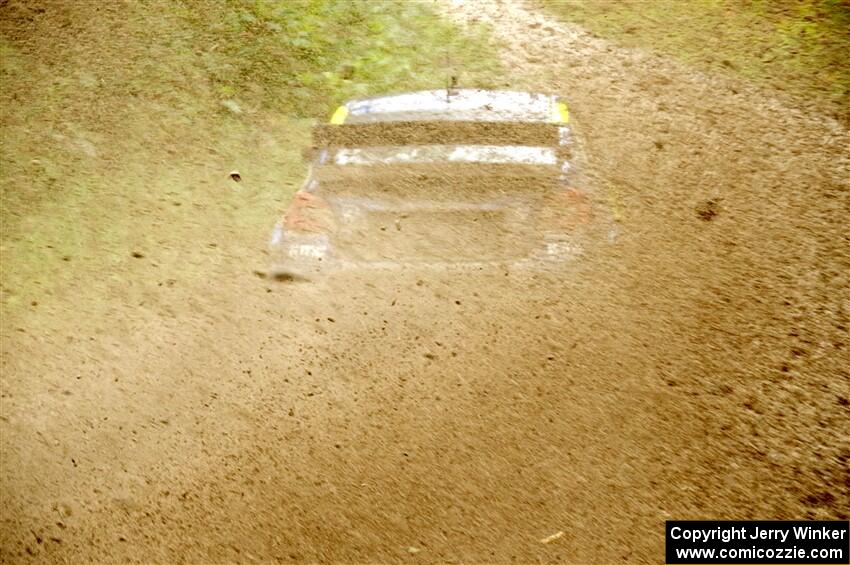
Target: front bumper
column 299, row 254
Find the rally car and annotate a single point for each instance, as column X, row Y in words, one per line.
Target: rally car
column 440, row 178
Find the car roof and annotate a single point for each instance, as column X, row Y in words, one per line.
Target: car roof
column 464, row 104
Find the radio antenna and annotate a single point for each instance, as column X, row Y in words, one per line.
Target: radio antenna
column 451, row 82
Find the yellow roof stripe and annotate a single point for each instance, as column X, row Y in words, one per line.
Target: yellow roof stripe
column 340, row 115
column 561, row 113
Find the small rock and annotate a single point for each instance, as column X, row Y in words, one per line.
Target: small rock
column 232, row 106
column 553, row 537
column 707, row 210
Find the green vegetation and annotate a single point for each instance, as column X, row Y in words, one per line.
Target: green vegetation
column 320, row 52
column 120, row 122
column 796, row 45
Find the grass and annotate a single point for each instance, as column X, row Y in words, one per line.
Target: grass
column 799, row 46
column 121, row 122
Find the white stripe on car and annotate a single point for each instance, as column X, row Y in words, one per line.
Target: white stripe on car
column 499, row 154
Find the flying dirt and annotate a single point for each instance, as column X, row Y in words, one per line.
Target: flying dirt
column 690, row 363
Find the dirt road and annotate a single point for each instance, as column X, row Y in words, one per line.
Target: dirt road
column 695, row 367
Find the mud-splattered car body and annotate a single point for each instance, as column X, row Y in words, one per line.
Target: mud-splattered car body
column 444, row 177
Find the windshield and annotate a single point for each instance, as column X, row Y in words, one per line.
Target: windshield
column 439, row 133
column 430, row 158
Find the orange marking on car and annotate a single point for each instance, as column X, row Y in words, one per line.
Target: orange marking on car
column 580, row 210
column 298, row 216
